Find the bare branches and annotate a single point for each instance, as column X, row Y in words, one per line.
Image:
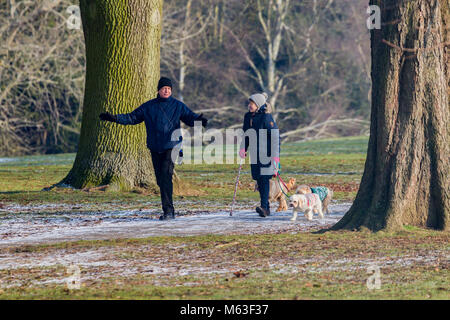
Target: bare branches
column 178, row 38
column 41, row 77
column 318, row 130
column 311, row 57
column 271, row 15
column 412, row 50
column 247, row 58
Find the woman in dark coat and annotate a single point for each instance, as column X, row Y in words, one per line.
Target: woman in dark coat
column 262, row 139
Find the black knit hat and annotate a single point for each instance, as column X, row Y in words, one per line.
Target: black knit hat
column 163, row 82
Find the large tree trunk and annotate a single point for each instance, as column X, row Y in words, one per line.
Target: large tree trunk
column 122, row 70
column 406, row 176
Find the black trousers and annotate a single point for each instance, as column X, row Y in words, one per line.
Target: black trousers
column 264, row 189
column 163, row 166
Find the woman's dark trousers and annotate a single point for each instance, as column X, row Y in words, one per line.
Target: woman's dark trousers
column 264, row 188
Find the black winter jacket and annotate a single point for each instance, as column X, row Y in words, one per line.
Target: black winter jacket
column 261, row 147
column 162, row 117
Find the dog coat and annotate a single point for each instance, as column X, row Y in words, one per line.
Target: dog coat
column 321, row 191
column 311, row 200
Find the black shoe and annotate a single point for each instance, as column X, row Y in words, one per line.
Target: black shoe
column 169, row 216
column 262, row 212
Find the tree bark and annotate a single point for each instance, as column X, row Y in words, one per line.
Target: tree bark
column 122, row 70
column 406, row 175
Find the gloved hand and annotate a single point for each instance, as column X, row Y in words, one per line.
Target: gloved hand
column 242, row 153
column 276, row 165
column 108, row 117
column 203, row 120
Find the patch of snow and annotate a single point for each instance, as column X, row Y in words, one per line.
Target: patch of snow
column 2, row 160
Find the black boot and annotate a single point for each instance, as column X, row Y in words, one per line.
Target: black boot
column 263, row 212
column 168, row 216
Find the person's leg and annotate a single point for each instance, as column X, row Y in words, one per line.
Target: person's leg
column 163, row 166
column 156, row 160
column 264, row 192
column 263, row 187
column 166, row 185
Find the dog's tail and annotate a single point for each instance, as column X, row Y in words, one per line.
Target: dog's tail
column 327, row 199
column 303, row 189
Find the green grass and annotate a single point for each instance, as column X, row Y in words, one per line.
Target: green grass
column 253, row 257
column 424, row 283
column 334, row 162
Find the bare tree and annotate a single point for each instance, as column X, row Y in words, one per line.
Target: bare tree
column 310, row 56
column 178, row 38
column 41, row 78
column 271, row 16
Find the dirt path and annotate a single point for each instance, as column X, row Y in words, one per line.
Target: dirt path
column 19, row 226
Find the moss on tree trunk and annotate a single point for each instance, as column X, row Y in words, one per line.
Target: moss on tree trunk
column 122, row 70
column 406, row 176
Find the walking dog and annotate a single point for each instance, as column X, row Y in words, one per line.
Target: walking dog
column 324, row 193
column 276, row 193
column 307, row 203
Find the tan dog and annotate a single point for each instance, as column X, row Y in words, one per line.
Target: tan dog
column 304, row 189
column 275, row 193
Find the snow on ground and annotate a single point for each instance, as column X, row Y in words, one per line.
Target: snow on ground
column 22, row 226
column 36, row 228
column 101, row 263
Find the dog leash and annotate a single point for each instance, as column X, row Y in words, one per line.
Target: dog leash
column 280, row 181
column 236, row 186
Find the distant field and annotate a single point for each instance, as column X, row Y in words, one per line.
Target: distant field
column 337, row 163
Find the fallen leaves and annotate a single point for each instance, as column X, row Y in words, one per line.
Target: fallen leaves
column 240, row 274
column 229, row 244
column 97, row 188
column 343, row 187
column 312, row 285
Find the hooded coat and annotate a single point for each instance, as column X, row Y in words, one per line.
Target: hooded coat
column 262, row 147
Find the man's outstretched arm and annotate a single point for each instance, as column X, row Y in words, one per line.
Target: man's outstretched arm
column 188, row 117
column 135, row 117
column 108, row 117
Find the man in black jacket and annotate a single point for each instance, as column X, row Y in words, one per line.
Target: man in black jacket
column 162, row 117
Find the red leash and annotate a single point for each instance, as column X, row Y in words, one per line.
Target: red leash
column 284, row 184
column 277, row 175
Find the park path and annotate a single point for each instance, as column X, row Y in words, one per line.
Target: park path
column 19, row 228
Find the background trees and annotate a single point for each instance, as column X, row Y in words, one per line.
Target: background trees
column 41, row 78
column 312, row 57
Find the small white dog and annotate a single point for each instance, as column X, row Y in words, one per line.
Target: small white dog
column 307, row 203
